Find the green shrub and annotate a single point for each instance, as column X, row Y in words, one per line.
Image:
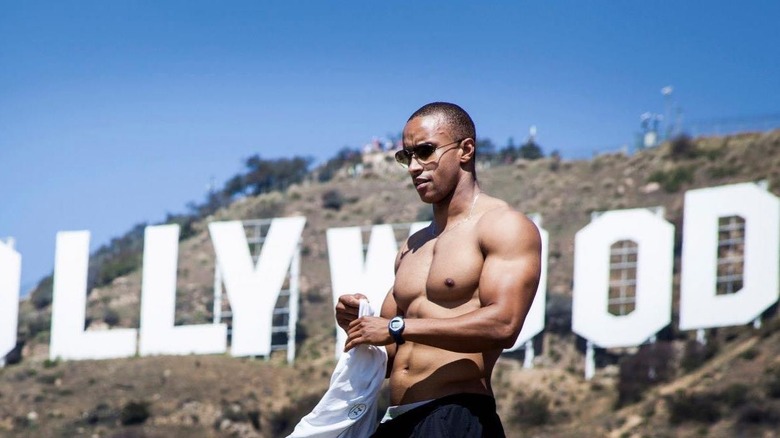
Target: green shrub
column 652, row 364
column 530, row 151
column 332, row 200
column 49, row 378
column 683, row 147
column 758, row 414
column 42, row 295
column 773, row 384
column 692, row 407
column 344, row 158
column 185, row 223
column 713, row 154
column 695, row 354
column 722, row 171
column 117, row 266
column 120, row 256
column 254, row 418
column 673, row 179
column 559, row 314
column 733, row 395
column 37, row 323
column 234, row 412
column 770, row 327
column 134, row 412
column 268, row 207
column 284, row 421
column 102, row 413
column 111, row 317
column 750, row 354
column 531, row 411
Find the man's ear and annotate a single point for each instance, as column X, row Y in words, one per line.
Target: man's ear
column 468, row 149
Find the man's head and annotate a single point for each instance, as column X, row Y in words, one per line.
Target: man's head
column 439, row 149
column 456, row 119
column 449, row 119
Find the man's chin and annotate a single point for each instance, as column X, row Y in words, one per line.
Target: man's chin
column 426, row 197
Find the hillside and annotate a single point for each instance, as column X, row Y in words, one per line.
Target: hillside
column 729, row 388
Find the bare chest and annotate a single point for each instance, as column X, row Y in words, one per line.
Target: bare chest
column 440, row 275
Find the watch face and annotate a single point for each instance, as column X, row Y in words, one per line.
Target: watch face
column 396, row 323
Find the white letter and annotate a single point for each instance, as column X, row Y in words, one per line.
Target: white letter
column 534, row 321
column 700, row 307
column 10, row 275
column 68, row 338
column 253, row 291
column 350, row 273
column 655, row 241
column 158, row 302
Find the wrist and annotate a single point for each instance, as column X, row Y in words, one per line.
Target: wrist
column 396, row 328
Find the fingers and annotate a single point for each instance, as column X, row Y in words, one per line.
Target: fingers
column 367, row 330
column 351, row 301
column 355, row 332
column 347, row 309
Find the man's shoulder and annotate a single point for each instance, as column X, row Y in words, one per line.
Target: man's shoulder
column 499, row 211
column 502, row 224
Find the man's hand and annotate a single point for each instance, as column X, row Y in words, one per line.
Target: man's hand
column 368, row 330
column 347, row 309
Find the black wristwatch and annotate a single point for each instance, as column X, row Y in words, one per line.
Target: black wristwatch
column 396, row 328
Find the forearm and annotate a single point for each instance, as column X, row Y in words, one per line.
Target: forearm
column 484, row 329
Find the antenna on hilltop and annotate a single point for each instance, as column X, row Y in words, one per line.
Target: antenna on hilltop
column 649, row 123
column 667, row 93
column 672, row 111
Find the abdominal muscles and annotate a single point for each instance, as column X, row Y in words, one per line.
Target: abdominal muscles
column 423, row 372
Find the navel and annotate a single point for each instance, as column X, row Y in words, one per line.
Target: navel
column 449, row 282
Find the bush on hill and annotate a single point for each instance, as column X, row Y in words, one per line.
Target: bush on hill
column 652, row 364
column 699, row 407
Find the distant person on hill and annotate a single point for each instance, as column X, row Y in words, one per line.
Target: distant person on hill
column 463, row 287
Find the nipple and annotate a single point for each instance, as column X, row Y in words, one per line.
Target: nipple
column 449, row 282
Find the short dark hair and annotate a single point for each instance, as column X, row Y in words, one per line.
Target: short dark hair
column 457, row 119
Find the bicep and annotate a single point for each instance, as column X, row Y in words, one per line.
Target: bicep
column 389, row 306
column 510, row 274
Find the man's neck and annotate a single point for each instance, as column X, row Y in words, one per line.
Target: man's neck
column 457, row 208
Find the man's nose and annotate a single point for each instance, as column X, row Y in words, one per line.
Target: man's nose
column 414, row 166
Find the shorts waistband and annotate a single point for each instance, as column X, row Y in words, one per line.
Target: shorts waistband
column 395, row 411
column 464, row 399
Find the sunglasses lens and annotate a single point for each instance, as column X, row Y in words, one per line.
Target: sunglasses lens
column 424, row 151
column 403, row 157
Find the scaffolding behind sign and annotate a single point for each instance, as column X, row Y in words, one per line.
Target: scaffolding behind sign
column 285, row 317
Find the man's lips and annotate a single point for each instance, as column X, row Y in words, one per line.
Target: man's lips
column 420, row 181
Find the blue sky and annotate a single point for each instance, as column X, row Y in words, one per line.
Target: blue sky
column 118, row 112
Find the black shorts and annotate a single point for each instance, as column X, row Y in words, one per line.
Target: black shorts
column 457, row 415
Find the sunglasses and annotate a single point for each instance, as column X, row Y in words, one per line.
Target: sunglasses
column 421, row 152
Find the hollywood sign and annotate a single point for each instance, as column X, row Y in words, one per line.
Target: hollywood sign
column 253, row 288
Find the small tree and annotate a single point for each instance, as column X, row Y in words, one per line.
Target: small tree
column 653, row 363
column 486, row 150
column 332, row 200
column 531, row 151
column 683, row 147
column 533, row 410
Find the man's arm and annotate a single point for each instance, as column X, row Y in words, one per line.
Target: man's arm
column 507, row 285
column 390, row 310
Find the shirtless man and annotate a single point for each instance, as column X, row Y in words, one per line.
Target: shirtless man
column 463, row 287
